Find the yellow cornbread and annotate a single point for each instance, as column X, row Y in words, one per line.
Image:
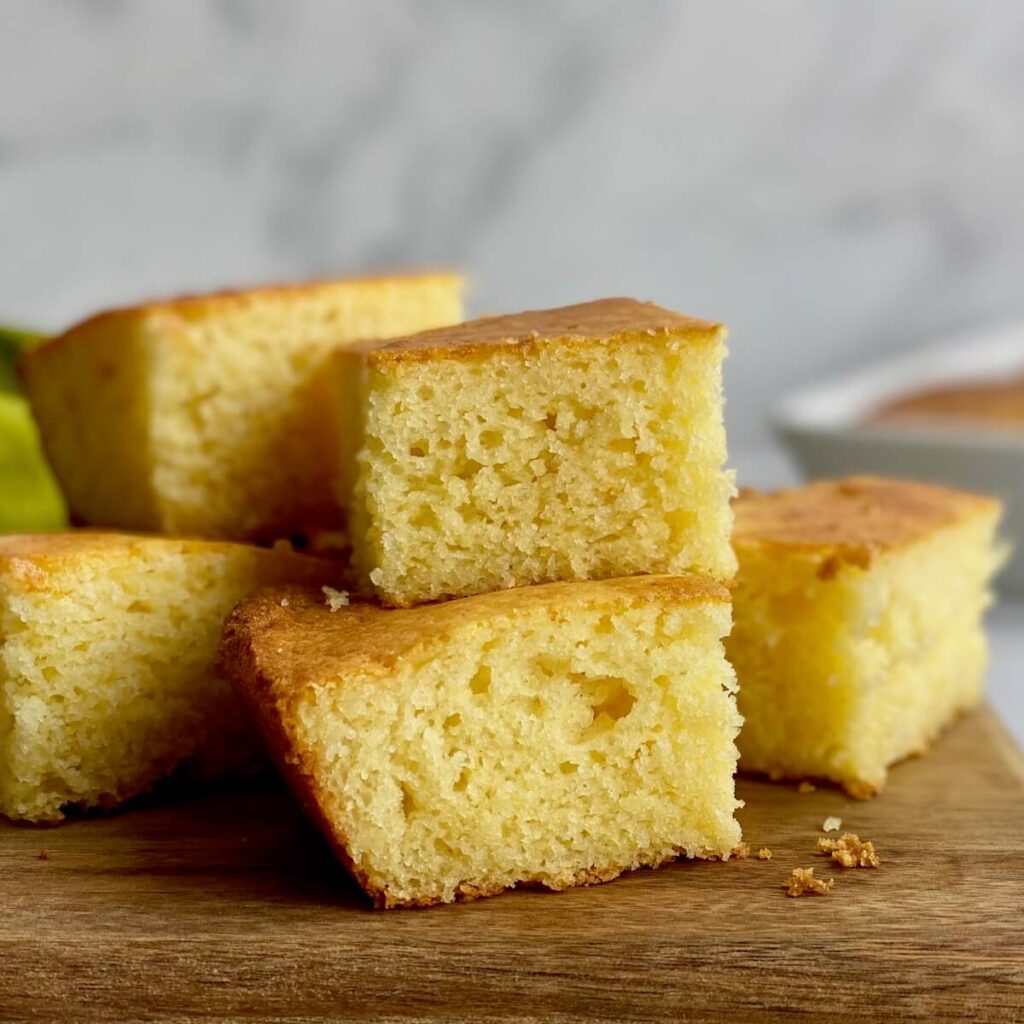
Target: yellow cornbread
column 106, row 664
column 555, row 735
column 202, row 415
column 858, row 623
column 584, row 442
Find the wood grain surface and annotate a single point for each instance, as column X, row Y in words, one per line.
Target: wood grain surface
column 228, row 907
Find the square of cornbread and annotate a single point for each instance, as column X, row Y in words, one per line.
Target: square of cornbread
column 107, row 645
column 584, row 442
column 555, row 735
column 203, row 415
column 858, row 623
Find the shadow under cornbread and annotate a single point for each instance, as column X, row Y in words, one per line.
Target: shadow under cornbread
column 229, row 907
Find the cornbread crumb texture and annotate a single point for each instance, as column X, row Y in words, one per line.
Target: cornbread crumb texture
column 850, row 851
column 803, row 883
column 211, row 415
column 583, row 442
column 853, row 520
column 831, row 824
column 106, row 664
column 553, row 735
column 858, row 633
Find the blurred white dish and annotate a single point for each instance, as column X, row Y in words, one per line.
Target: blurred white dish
column 825, row 428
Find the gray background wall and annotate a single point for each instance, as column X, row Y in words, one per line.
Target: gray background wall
column 832, row 179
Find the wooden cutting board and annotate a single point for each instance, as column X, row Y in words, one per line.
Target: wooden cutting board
column 227, row 907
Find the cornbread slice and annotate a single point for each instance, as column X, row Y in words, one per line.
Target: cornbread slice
column 858, row 623
column 204, row 415
column 555, row 735
column 578, row 443
column 107, row 682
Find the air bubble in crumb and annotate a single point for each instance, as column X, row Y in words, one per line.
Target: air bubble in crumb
column 832, row 824
column 335, row 598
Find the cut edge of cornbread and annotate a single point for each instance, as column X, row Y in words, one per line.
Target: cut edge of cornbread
column 858, row 623
column 454, row 750
column 576, row 443
column 208, row 415
column 107, row 681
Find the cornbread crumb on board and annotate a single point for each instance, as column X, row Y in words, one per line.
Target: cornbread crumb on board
column 741, row 851
column 832, row 824
column 850, row 851
column 554, row 735
column 585, row 442
column 803, row 883
column 764, row 853
column 806, row 787
column 823, row 696
column 336, row 599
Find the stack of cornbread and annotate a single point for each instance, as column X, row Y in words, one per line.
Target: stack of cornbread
column 565, row 711
column 511, row 668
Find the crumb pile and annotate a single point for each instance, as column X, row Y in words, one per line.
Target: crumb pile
column 803, row 883
column 850, row 851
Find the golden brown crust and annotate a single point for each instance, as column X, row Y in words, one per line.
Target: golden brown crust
column 32, row 557
column 303, row 638
column 239, row 663
column 199, row 306
column 853, row 520
column 276, row 643
column 603, row 320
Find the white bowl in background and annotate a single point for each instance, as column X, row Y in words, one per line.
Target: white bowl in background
column 824, row 428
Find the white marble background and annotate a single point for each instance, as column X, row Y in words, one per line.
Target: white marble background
column 832, row 179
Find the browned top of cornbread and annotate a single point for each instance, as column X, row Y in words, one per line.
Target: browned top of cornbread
column 995, row 402
column 857, row 516
column 291, row 637
column 211, row 304
column 31, row 557
column 602, row 320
